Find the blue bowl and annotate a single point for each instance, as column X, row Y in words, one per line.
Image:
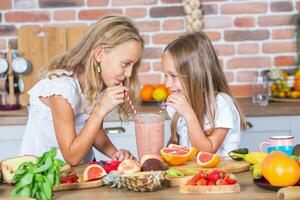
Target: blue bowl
column 285, row 149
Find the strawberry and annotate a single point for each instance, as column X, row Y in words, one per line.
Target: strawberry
column 201, row 175
column 210, row 182
column 68, row 178
column 202, row 182
column 215, row 175
column 230, row 179
column 191, row 182
column 221, row 182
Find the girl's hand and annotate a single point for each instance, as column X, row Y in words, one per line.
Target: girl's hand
column 122, row 154
column 179, row 102
column 110, row 98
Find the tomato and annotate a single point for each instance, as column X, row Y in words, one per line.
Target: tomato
column 280, row 170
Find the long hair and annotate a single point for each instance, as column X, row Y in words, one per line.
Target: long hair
column 194, row 57
column 109, row 32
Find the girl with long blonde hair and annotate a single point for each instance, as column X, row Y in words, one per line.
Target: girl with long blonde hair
column 204, row 113
column 81, row 87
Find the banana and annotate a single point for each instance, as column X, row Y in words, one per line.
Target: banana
column 257, row 171
column 252, row 157
column 255, row 157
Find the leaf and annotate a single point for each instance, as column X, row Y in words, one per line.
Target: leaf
column 25, row 192
column 44, row 167
column 47, row 187
column 16, row 190
column 56, row 178
column 51, row 177
column 26, row 180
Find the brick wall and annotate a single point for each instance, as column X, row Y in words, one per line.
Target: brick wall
column 249, row 36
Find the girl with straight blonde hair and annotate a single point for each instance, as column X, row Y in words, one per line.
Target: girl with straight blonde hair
column 204, row 113
column 81, row 87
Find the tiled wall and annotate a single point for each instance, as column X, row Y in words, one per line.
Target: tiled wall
column 249, row 36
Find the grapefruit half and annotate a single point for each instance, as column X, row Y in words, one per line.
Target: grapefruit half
column 208, row 160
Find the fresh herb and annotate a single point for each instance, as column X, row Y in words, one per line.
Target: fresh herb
column 38, row 180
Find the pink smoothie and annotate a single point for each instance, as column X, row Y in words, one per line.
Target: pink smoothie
column 149, row 135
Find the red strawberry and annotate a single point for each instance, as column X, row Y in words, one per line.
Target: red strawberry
column 202, row 182
column 214, row 175
column 221, row 182
column 192, row 182
column 210, row 182
column 230, row 179
column 68, row 178
column 201, row 175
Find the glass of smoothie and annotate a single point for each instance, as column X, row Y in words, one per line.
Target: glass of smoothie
column 149, row 133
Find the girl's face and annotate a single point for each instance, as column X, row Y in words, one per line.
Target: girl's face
column 172, row 78
column 117, row 63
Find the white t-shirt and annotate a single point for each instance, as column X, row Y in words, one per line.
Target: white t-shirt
column 227, row 116
column 39, row 133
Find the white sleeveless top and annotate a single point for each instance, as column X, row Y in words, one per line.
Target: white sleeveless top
column 39, row 133
column 227, row 116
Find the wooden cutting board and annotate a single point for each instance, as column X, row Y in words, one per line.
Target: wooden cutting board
column 77, row 186
column 225, row 165
column 210, row 189
column 39, row 45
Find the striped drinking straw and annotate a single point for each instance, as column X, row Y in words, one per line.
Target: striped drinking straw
column 162, row 109
column 129, row 101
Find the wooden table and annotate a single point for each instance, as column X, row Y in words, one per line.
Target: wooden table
column 248, row 191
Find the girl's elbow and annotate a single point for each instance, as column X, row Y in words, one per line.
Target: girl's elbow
column 72, row 161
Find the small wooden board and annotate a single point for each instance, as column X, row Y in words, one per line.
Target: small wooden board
column 210, row 189
column 225, row 165
column 77, row 186
column 80, row 185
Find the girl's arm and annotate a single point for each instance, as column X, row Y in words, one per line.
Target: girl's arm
column 204, row 142
column 73, row 147
column 104, row 145
column 198, row 138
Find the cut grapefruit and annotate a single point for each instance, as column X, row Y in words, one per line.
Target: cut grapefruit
column 174, row 156
column 191, row 151
column 208, row 160
column 93, row 172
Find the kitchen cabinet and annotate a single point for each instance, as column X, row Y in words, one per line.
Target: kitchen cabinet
column 10, row 140
column 266, row 126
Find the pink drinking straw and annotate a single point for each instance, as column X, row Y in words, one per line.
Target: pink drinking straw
column 162, row 109
column 129, row 101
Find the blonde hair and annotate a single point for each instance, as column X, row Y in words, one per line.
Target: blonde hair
column 195, row 57
column 109, row 32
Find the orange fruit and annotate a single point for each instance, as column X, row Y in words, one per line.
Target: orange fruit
column 174, row 156
column 162, row 85
column 159, row 94
column 208, row 160
column 146, row 92
column 280, row 170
